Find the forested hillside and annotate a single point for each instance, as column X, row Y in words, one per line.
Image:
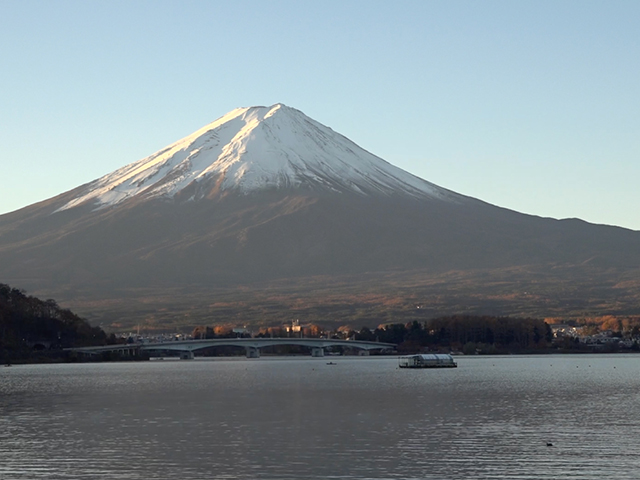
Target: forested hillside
column 28, row 325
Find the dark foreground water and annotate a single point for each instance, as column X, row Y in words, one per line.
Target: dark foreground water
column 299, row 418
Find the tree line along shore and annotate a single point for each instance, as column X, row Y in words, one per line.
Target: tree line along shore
column 34, row 330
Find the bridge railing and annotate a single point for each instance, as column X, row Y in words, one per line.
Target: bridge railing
column 252, row 346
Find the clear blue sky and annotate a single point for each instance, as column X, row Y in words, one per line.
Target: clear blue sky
column 533, row 106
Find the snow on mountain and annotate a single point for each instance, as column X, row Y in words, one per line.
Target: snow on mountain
column 258, row 148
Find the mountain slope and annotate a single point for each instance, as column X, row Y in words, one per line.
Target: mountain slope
column 267, row 194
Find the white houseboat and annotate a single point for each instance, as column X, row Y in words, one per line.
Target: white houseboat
column 431, row 360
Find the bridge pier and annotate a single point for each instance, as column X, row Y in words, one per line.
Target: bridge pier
column 317, row 352
column 253, row 352
column 363, row 353
column 186, row 355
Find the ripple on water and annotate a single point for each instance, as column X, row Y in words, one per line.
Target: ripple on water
column 297, row 418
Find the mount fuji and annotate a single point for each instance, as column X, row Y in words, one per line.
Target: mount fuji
column 255, row 149
column 267, row 196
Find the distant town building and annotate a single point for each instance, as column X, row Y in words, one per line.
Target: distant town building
column 563, row 330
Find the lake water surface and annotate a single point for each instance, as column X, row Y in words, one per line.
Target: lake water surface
column 299, row 418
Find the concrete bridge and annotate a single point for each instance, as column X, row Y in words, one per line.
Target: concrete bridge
column 252, row 346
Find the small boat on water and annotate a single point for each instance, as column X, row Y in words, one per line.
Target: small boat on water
column 429, row 360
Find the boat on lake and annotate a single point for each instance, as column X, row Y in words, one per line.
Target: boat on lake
column 429, row 360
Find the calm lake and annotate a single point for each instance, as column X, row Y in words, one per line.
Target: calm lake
column 299, row 418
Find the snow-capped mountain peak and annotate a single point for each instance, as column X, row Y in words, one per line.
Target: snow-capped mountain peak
column 257, row 148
